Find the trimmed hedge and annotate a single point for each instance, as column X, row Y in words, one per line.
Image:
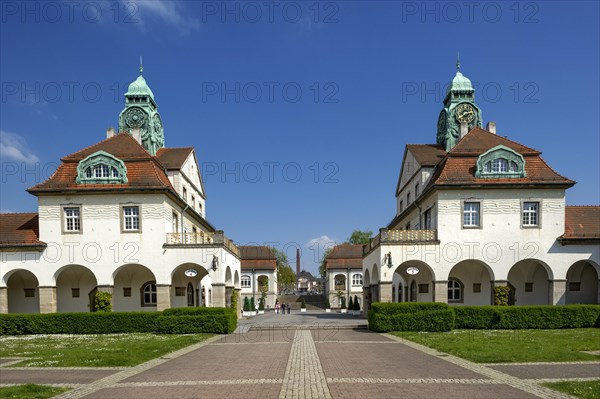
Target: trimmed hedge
column 173, row 321
column 522, row 317
column 406, row 307
column 78, row 323
column 411, row 316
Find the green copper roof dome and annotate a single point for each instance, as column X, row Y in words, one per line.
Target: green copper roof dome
column 139, row 87
column 460, row 83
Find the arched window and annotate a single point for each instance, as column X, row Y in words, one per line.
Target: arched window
column 149, row 294
column 190, row 294
column 357, row 279
column 245, row 282
column 455, row 290
column 101, row 168
column 500, row 162
column 413, row 291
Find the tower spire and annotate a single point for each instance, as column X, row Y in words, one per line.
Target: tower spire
column 457, row 61
column 141, row 65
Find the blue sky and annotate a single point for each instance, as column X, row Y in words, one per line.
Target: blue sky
column 299, row 111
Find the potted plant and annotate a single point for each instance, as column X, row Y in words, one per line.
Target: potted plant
column 343, row 305
column 356, row 306
column 350, row 305
column 302, row 305
column 327, row 305
column 261, row 306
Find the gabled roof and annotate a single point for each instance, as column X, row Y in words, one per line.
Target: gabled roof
column 345, row 256
column 257, row 257
column 144, row 171
column 19, row 230
column 582, row 223
column 173, row 158
column 426, row 155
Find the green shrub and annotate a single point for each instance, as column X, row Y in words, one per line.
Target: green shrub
column 235, row 297
column 216, row 321
column 261, row 304
column 406, row 307
column 350, row 303
column 327, row 304
column 103, row 301
column 356, row 303
column 501, row 295
column 343, row 301
column 431, row 320
column 246, row 304
column 527, row 317
column 209, row 320
column 78, row 323
column 302, row 303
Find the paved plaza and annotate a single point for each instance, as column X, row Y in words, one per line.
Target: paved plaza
column 329, row 356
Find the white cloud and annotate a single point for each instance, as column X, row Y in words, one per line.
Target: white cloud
column 168, row 11
column 13, row 146
column 321, row 243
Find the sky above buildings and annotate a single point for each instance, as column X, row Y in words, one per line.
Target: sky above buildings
column 299, row 111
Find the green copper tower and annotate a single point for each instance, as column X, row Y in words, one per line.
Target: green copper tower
column 459, row 108
column 141, row 112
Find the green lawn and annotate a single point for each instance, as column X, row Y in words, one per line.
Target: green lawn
column 581, row 389
column 110, row 350
column 499, row 346
column 30, row 391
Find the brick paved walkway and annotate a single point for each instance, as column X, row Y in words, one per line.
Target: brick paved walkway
column 315, row 363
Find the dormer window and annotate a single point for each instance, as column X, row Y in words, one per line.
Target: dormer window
column 500, row 162
column 101, row 168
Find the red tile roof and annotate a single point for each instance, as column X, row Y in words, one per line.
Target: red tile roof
column 257, row 257
column 344, row 256
column 427, row 154
column 458, row 167
column 144, row 171
column 582, row 223
column 19, row 230
column 173, row 158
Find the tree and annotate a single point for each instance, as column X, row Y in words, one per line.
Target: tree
column 103, row 301
column 322, row 268
column 356, row 303
column 302, row 303
column 350, row 303
column 286, row 278
column 359, row 237
column 252, row 304
column 261, row 304
column 246, row 304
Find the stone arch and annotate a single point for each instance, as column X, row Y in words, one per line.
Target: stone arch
column 75, row 288
column 340, row 282
column 23, row 291
column 129, row 280
column 228, row 277
column 476, row 278
column 180, row 281
column 423, row 281
column 399, row 285
column 375, row 274
column 582, row 283
column 366, row 278
column 529, row 280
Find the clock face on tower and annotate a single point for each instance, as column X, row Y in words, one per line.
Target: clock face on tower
column 465, row 112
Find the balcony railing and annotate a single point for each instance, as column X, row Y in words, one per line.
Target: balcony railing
column 214, row 239
column 407, row 237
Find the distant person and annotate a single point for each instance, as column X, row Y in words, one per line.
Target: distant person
column 283, row 308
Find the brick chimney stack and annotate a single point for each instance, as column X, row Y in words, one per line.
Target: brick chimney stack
column 297, row 261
